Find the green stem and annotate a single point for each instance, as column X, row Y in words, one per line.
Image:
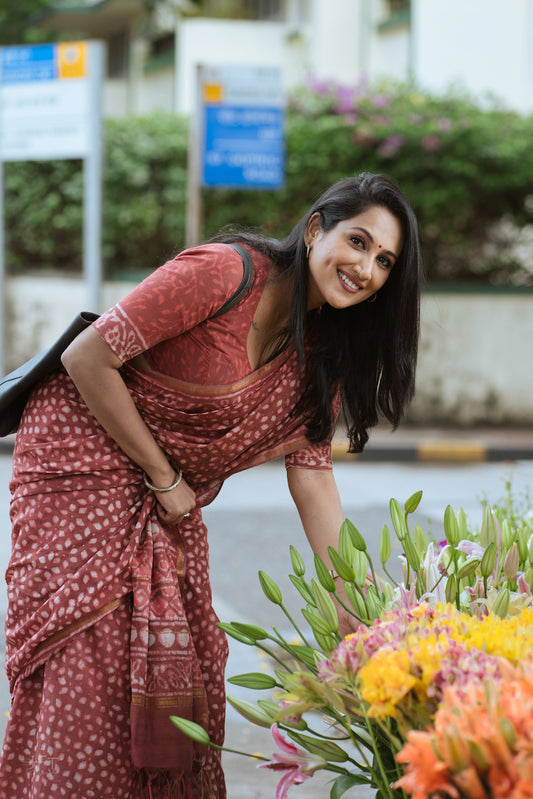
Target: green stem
column 288, row 615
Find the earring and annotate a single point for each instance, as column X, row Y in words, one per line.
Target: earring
column 373, row 298
column 308, row 251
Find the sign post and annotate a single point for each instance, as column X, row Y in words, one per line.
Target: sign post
column 50, row 107
column 237, row 136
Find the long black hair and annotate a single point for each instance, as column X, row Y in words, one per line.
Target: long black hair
column 368, row 350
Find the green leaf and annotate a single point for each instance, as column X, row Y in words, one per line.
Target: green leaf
column 191, row 729
column 255, row 680
column 345, row 782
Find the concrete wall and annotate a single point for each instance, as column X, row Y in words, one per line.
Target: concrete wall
column 475, row 364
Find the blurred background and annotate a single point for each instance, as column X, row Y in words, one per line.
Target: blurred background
column 437, row 94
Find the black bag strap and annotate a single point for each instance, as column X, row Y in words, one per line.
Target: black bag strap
column 246, row 282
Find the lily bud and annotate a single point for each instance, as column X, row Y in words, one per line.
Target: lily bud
column 325, row 605
column 462, row 524
column 250, row 712
column 329, row 750
column 356, row 601
column 384, row 545
column 302, row 587
column 315, row 621
column 528, row 577
column 488, row 560
column 450, row 591
column 451, row 528
column 413, row 502
column 508, row 730
column 191, row 730
column 346, row 546
column 510, row 564
column 411, row 554
column 522, row 539
column 323, row 574
column 343, row 569
column 270, row 589
column 501, row 605
column 488, row 534
column 357, row 539
column 420, row 540
column 507, row 533
column 398, row 519
column 468, row 568
column 297, row 561
column 256, row 680
column 360, row 567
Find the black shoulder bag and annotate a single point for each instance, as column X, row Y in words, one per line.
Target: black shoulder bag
column 16, row 386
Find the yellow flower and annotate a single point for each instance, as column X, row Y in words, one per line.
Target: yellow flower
column 385, row 680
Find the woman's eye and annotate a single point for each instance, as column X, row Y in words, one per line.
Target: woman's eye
column 358, row 241
column 384, row 261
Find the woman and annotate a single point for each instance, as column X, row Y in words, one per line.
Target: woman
column 110, row 628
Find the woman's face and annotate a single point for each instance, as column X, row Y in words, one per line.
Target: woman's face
column 353, row 260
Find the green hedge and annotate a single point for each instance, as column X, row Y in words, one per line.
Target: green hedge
column 467, row 170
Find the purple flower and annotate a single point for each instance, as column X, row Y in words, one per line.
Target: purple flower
column 391, row 145
column 445, row 125
column 299, row 764
column 431, row 143
column 380, row 101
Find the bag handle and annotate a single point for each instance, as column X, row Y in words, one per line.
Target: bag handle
column 246, row 282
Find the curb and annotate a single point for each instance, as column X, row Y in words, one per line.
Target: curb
column 434, row 451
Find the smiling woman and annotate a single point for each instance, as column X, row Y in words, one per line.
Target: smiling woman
column 347, row 265
column 110, row 628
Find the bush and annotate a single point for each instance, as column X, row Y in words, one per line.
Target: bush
column 467, row 170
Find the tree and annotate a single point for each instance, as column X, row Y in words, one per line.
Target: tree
column 17, row 21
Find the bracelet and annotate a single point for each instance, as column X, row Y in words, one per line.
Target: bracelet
column 162, row 490
column 333, row 573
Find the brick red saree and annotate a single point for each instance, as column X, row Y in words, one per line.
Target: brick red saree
column 110, row 628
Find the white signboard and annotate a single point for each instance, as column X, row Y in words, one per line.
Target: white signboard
column 45, row 101
column 50, row 107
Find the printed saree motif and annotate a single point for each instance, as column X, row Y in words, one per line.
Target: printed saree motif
column 86, row 538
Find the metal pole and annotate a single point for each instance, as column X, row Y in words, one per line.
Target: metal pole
column 92, row 186
column 3, row 297
column 194, row 210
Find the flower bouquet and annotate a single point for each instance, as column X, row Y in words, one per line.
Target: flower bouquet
column 432, row 695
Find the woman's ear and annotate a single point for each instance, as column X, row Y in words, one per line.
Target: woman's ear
column 313, row 229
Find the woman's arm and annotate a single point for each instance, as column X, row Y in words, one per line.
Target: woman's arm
column 316, row 497
column 317, row 500
column 93, row 367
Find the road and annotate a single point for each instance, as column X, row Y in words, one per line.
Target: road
column 251, row 525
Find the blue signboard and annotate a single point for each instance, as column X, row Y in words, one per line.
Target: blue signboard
column 28, row 63
column 244, row 146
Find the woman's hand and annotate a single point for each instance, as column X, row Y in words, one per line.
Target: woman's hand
column 173, row 506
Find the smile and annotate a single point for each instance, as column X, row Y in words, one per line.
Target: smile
column 349, row 284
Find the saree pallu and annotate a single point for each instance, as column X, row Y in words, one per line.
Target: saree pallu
column 90, row 551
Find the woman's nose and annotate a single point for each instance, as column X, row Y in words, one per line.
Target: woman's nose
column 363, row 268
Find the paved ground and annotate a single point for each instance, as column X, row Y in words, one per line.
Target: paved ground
column 253, row 522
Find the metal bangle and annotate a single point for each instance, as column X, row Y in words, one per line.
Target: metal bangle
column 163, row 490
column 333, row 573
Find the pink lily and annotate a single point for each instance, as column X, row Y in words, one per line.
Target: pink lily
column 299, row 764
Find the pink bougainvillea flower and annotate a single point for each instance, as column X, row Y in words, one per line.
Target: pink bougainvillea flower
column 299, row 764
